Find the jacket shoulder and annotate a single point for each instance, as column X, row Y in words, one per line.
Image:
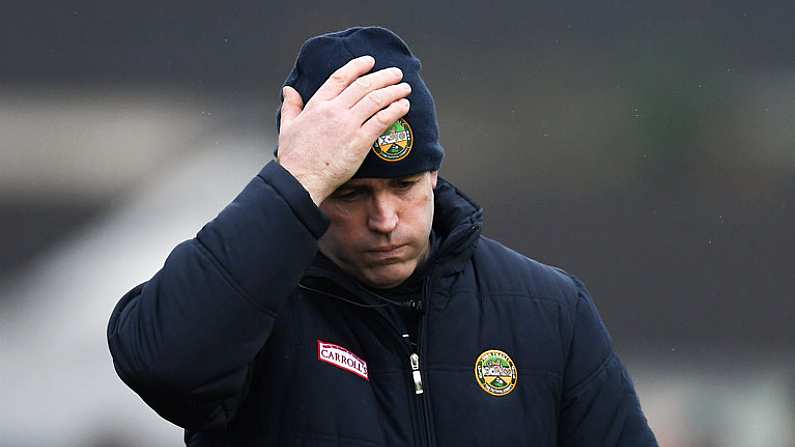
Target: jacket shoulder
column 508, row 271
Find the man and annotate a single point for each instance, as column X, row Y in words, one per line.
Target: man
column 346, row 296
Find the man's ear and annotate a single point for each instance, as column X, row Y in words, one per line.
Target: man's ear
column 434, row 179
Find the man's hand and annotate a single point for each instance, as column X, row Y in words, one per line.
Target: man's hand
column 324, row 143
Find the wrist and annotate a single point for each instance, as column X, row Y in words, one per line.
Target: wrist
column 314, row 184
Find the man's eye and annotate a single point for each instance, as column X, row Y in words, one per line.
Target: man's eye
column 405, row 184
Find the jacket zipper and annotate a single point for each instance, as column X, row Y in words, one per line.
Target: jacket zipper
column 414, row 361
column 419, row 420
column 422, row 393
column 420, row 399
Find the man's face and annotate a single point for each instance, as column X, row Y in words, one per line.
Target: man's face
column 380, row 227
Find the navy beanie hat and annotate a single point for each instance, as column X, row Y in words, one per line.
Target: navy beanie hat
column 411, row 145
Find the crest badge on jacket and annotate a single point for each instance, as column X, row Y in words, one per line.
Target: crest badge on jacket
column 496, row 373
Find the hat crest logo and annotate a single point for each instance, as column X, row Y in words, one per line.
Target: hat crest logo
column 395, row 143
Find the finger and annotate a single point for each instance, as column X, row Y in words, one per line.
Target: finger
column 344, row 75
column 376, row 125
column 292, row 104
column 368, row 83
column 379, row 99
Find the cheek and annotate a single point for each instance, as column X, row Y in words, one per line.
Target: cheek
column 420, row 215
column 339, row 232
column 344, row 227
column 338, row 212
column 336, row 243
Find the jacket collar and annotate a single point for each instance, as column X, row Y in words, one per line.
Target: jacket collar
column 457, row 221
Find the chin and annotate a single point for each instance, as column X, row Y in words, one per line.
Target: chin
column 388, row 276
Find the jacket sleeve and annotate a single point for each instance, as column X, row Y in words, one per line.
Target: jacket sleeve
column 599, row 405
column 186, row 340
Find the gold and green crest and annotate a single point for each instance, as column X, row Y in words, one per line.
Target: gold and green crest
column 395, row 143
column 495, row 372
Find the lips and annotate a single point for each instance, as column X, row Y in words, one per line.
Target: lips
column 385, row 249
column 385, row 253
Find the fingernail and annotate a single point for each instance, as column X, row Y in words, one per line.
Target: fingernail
column 396, row 71
column 368, row 59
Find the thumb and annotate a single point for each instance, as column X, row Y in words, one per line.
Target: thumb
column 292, row 104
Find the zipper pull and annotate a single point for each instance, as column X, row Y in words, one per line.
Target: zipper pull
column 414, row 359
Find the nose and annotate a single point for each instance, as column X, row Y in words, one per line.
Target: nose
column 383, row 214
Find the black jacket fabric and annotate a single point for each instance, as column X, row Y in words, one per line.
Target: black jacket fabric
column 230, row 340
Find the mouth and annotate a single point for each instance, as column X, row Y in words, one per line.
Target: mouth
column 386, row 252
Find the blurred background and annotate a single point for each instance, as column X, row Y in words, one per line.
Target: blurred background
column 647, row 147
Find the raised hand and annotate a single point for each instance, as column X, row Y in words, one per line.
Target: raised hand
column 323, row 143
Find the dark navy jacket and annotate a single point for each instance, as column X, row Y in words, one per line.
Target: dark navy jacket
column 245, row 338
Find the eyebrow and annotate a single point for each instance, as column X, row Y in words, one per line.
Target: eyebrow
column 347, row 187
column 364, row 186
column 407, row 178
column 410, row 177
